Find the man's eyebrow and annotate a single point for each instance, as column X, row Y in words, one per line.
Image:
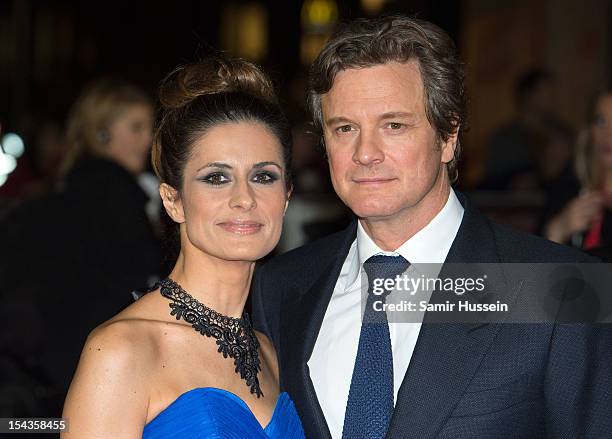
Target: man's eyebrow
column 338, row 119
column 384, row 116
column 398, row 115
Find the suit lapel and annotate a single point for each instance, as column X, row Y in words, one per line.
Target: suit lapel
column 301, row 328
column 446, row 355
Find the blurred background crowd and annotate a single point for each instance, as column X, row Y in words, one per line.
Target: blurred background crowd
column 79, row 211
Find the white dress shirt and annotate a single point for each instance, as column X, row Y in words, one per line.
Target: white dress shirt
column 333, row 357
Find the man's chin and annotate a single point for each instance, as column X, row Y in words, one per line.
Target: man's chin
column 375, row 212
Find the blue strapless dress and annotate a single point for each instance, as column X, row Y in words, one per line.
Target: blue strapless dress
column 211, row 413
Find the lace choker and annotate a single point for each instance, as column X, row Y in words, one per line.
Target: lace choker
column 235, row 336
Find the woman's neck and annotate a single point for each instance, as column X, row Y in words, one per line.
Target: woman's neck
column 219, row 284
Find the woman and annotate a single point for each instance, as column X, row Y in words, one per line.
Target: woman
column 222, row 152
column 69, row 255
column 110, row 131
column 586, row 220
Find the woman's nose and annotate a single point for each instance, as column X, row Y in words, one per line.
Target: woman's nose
column 242, row 197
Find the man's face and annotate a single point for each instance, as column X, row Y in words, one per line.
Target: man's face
column 384, row 156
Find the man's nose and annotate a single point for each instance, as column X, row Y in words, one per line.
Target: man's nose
column 367, row 149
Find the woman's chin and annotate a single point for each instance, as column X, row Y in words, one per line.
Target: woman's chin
column 246, row 254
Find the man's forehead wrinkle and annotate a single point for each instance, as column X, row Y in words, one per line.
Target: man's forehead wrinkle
column 386, row 91
column 379, row 105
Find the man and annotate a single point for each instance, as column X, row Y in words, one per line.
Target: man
column 388, row 96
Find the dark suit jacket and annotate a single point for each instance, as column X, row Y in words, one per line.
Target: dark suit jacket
column 464, row 380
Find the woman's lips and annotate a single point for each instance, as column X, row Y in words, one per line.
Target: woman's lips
column 241, row 227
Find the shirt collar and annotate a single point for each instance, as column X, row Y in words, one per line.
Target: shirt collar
column 429, row 245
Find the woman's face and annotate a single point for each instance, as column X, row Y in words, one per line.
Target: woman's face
column 130, row 137
column 602, row 131
column 233, row 196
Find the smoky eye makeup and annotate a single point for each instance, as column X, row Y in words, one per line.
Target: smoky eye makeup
column 215, row 178
column 263, row 176
column 219, row 178
column 220, row 174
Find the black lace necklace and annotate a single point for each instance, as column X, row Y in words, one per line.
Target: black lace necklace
column 235, row 337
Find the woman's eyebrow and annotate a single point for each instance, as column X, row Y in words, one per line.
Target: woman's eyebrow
column 262, row 164
column 226, row 166
column 215, row 165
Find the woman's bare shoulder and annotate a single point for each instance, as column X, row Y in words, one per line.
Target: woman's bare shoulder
column 110, row 391
column 132, row 335
column 122, row 339
column 121, row 349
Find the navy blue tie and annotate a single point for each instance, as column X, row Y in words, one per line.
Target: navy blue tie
column 370, row 401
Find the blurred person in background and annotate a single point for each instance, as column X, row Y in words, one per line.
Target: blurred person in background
column 554, row 166
column 110, row 134
column 513, row 147
column 585, row 220
column 72, row 257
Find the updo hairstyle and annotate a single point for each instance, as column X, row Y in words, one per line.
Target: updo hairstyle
column 196, row 97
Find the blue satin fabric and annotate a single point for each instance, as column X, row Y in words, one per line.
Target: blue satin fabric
column 212, row 413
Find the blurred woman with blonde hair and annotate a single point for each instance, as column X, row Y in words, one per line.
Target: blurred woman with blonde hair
column 110, row 119
column 586, row 221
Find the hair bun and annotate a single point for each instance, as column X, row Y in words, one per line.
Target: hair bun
column 214, row 75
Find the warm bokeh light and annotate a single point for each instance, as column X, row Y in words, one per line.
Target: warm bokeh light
column 372, row 7
column 319, row 13
column 245, row 30
column 318, row 18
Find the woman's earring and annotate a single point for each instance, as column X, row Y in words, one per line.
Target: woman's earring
column 103, row 137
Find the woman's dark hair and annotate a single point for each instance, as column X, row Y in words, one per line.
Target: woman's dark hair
column 370, row 42
column 197, row 97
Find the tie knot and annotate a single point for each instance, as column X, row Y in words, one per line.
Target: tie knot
column 384, row 267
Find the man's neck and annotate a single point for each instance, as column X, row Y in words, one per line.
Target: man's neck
column 389, row 233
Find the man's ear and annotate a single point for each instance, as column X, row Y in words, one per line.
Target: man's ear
column 172, row 203
column 449, row 147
